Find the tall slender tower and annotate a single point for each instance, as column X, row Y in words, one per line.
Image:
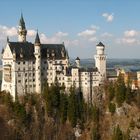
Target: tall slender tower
column 37, row 53
column 22, row 32
column 100, row 59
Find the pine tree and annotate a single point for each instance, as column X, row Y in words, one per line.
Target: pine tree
column 129, row 95
column 95, row 133
column 117, row 134
column 120, row 90
column 63, row 107
column 112, row 108
column 72, row 112
column 111, row 91
column 95, row 112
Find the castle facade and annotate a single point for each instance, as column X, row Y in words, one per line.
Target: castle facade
column 28, row 66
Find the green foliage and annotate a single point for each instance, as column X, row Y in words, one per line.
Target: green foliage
column 117, row 134
column 111, row 91
column 72, row 110
column 120, row 91
column 112, row 107
column 63, row 107
column 129, row 95
column 95, row 113
column 95, row 133
column 6, row 98
column 19, row 111
column 52, row 98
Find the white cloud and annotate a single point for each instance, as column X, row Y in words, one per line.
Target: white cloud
column 31, row 33
column 61, row 34
column 87, row 33
column 108, row 17
column 129, row 41
column 90, row 32
column 93, row 39
column 8, row 31
column 106, row 35
column 130, row 33
column 95, row 27
column 59, row 37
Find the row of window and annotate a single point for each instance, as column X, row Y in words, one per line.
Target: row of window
column 33, row 62
column 33, row 80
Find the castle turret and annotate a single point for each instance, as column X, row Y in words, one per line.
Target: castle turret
column 22, row 32
column 100, row 59
column 37, row 53
column 77, row 61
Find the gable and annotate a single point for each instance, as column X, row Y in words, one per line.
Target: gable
column 7, row 54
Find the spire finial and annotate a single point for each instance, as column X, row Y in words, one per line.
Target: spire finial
column 21, row 21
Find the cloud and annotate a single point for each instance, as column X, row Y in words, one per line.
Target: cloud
column 31, row 33
column 87, row 33
column 130, row 33
column 93, row 39
column 95, row 27
column 108, row 17
column 106, row 35
column 61, row 34
column 8, row 31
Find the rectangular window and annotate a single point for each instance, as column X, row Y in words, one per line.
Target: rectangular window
column 19, row 81
column 18, row 63
column 23, row 62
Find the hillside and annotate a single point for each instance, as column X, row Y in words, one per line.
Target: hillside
column 56, row 115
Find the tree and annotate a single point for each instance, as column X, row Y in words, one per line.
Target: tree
column 72, row 104
column 117, row 134
column 95, row 111
column 95, row 133
column 129, row 95
column 111, row 91
column 120, row 90
column 63, row 107
column 112, row 108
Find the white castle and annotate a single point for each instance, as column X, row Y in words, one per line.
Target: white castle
column 27, row 67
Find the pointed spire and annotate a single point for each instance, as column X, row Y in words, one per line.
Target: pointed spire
column 37, row 39
column 7, row 39
column 100, row 44
column 21, row 22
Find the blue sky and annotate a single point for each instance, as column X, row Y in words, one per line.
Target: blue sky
column 81, row 24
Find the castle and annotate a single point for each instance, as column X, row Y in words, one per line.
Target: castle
column 27, row 66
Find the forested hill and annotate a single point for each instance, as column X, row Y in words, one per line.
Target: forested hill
column 56, row 115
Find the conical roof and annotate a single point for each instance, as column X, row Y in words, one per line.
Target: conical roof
column 21, row 22
column 100, row 44
column 37, row 39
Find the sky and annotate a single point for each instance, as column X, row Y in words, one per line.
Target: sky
column 80, row 24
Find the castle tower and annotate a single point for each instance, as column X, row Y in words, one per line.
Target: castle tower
column 37, row 53
column 77, row 61
column 22, row 32
column 100, row 59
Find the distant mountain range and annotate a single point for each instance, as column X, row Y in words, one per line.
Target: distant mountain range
column 111, row 63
